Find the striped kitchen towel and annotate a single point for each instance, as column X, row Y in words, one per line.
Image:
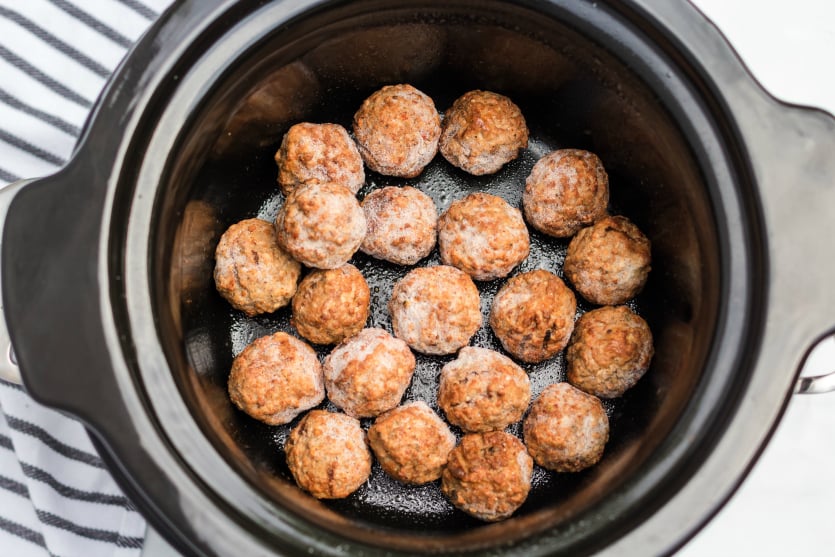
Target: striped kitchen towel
column 56, row 496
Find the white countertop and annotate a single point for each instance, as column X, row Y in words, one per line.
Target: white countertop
column 785, row 508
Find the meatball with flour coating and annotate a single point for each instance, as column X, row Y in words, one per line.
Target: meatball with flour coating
column 411, row 443
column 402, row 224
column 482, row 131
column 331, row 304
column 483, row 390
column 368, row 373
column 533, row 315
column 565, row 191
column 483, row 236
column 328, row 455
column 488, row 475
column 318, row 154
column 608, row 262
column 276, row 378
column 321, row 225
column 252, row 272
column 610, row 351
column 397, row 130
column 435, row 309
column 566, row 429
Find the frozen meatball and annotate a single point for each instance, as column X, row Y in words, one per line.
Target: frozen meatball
column 483, row 236
column 608, row 262
column 402, row 224
column 488, row 475
column 397, row 130
column 276, row 378
column 533, row 315
column 328, row 455
column 411, row 443
column 368, row 373
column 318, row 154
column 252, row 271
column 566, row 429
column 566, row 190
column 610, row 350
column 331, row 304
column 321, row 225
column 482, row 131
column 435, row 309
column 483, row 390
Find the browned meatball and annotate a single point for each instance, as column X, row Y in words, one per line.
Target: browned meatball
column 327, row 454
column 397, row 130
column 318, row 154
column 252, row 271
column 483, row 236
column 608, row 262
column 276, row 378
column 566, row 190
column 331, row 304
column 411, row 443
column 402, row 224
column 566, row 429
column 483, row 390
column 610, row 350
column 321, row 225
column 368, row 373
column 488, row 475
column 435, row 309
column 482, row 131
column 533, row 315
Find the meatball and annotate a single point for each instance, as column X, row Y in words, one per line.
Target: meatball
column 321, row 225
column 435, row 309
column 252, row 272
column 482, row 131
column 608, row 262
column 566, row 429
column 327, row 454
column 411, row 443
column 610, row 350
column 397, row 130
column 318, row 154
column 566, row 190
column 402, row 224
column 331, row 304
column 368, row 373
column 483, row 390
column 276, row 378
column 488, row 475
column 483, row 236
column 533, row 315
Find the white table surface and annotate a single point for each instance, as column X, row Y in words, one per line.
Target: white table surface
column 786, row 506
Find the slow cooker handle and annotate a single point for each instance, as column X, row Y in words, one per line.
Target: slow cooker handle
column 798, row 197
column 9, row 370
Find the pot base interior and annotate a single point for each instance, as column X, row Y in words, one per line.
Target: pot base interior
column 574, row 94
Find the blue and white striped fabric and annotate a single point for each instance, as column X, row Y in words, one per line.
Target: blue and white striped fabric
column 56, row 497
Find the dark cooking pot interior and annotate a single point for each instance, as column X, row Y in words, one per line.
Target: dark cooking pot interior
column 573, row 93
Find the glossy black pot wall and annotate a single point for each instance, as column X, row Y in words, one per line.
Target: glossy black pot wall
column 138, row 344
